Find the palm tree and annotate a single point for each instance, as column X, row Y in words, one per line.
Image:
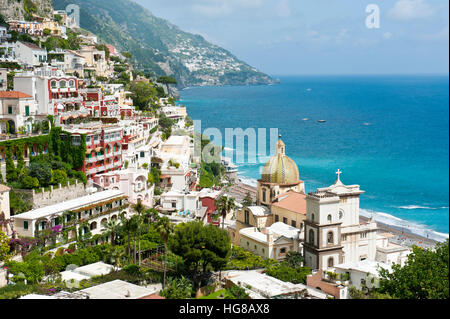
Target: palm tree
column 112, row 228
column 127, row 228
column 165, row 228
column 224, row 205
column 139, row 209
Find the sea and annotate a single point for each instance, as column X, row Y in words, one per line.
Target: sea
column 388, row 134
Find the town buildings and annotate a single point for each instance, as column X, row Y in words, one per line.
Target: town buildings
column 15, row 109
column 30, row 54
column 88, row 214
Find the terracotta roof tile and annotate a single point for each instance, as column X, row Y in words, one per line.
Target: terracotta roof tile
column 293, row 201
column 14, row 95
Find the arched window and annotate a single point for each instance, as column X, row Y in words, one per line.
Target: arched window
column 311, row 236
column 341, row 214
column 94, row 225
column 71, row 83
column 53, row 84
column 329, row 218
column 62, row 84
column 330, row 262
column 330, row 237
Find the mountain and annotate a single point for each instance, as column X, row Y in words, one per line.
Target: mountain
column 161, row 47
column 19, row 9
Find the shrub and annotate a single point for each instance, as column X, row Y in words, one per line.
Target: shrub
column 29, row 182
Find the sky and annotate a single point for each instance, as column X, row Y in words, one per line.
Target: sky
column 296, row 37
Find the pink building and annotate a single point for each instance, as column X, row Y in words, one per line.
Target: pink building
column 132, row 182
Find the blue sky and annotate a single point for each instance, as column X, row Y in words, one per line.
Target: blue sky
column 291, row 37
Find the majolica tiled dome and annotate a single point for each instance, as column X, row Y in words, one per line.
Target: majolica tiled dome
column 280, row 169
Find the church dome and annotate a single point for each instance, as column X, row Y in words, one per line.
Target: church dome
column 280, row 169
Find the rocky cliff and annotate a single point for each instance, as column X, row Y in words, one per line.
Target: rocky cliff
column 19, row 9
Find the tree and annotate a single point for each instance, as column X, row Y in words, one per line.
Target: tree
column 29, row 182
column 11, row 172
column 286, row 273
column 4, row 247
column 224, row 205
column 177, row 288
column 167, row 80
column 248, row 200
column 59, row 177
column 202, row 248
column 165, row 229
column 42, row 171
column 144, row 94
column 294, row 259
column 112, row 227
column 424, row 276
column 139, row 209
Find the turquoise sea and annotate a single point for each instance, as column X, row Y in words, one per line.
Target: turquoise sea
column 389, row 134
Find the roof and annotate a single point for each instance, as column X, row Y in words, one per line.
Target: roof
column 259, row 210
column 285, row 230
column 4, row 188
column 292, row 201
column 69, row 205
column 153, row 296
column 14, row 95
column 117, row 289
column 33, row 46
column 268, row 286
column 365, row 266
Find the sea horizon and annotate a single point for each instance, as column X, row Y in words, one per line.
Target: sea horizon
column 365, row 110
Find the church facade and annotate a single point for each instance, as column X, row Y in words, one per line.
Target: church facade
column 333, row 232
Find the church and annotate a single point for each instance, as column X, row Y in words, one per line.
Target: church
column 330, row 230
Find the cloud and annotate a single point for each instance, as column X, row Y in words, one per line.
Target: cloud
column 411, row 9
column 441, row 35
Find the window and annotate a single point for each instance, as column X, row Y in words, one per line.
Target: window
column 311, row 236
column 341, row 214
column 285, row 220
column 62, row 84
column 88, row 140
column 10, row 109
column 282, row 250
column 76, row 140
column 25, row 225
column 330, row 237
column 277, row 218
column 329, row 218
column 27, row 110
column 344, row 237
column 53, row 84
column 264, row 195
column 330, row 262
column 247, row 217
column 363, row 235
column 71, row 83
column 294, row 224
column 174, row 205
column 312, row 217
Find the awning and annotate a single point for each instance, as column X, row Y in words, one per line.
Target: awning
column 98, row 149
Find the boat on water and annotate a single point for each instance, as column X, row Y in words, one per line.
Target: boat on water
column 321, row 121
column 305, row 119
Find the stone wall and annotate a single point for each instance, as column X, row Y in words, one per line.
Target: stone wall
column 55, row 195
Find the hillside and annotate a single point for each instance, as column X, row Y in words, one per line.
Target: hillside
column 162, row 47
column 19, row 9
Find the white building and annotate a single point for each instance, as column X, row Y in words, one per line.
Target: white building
column 272, row 242
column 15, row 109
column 262, row 286
column 187, row 203
column 333, row 231
column 30, row 54
column 95, row 209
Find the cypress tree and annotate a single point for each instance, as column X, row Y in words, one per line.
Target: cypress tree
column 11, row 173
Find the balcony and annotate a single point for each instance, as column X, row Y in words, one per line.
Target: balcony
column 91, row 171
column 101, row 169
column 91, row 160
column 100, row 158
